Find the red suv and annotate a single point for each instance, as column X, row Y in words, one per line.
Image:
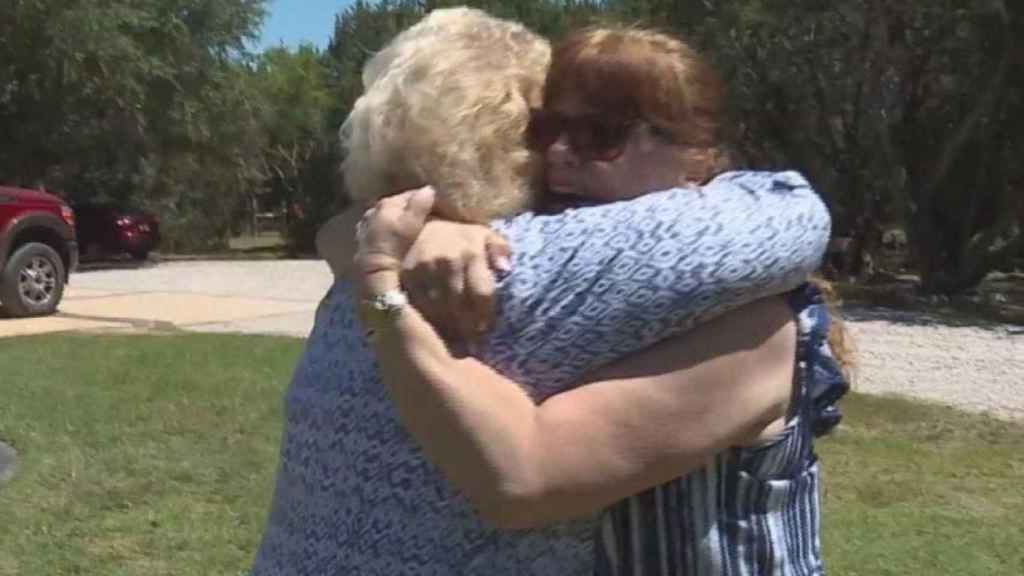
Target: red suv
column 38, row 251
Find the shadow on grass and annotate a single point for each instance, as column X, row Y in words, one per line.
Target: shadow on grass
column 998, row 304
column 923, row 317
column 102, row 264
column 8, row 462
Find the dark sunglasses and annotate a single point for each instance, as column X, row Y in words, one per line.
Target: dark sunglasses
column 590, row 136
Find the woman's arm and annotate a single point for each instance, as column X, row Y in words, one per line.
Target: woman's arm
column 463, row 256
column 636, row 424
column 592, row 285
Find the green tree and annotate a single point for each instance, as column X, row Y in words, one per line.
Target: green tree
column 901, row 113
column 124, row 100
column 292, row 110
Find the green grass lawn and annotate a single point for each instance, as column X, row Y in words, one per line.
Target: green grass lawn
column 154, row 455
column 148, row 455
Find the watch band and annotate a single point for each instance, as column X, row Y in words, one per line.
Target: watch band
column 377, row 312
column 390, row 301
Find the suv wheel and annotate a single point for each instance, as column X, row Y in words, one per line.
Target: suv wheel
column 32, row 282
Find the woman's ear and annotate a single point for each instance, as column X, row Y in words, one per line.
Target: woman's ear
column 336, row 241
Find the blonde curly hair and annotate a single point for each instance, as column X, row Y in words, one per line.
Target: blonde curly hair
column 447, row 103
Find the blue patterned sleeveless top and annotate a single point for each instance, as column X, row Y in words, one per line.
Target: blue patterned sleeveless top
column 354, row 494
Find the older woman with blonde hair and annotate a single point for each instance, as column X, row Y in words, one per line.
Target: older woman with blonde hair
column 564, row 408
column 424, row 96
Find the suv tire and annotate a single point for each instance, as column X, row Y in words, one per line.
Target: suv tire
column 32, row 282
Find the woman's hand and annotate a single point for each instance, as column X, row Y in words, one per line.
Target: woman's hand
column 449, row 276
column 385, row 235
column 445, row 267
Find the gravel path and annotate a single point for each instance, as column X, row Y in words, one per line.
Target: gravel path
column 979, row 368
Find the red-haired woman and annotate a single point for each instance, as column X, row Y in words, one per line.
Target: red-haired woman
column 697, row 450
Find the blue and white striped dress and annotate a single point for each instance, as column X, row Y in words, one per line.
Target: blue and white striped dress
column 354, row 494
column 751, row 511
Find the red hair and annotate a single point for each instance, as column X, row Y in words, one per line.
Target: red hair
column 642, row 74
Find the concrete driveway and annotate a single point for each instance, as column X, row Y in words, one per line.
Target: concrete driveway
column 255, row 297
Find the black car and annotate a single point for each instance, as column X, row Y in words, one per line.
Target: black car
column 110, row 230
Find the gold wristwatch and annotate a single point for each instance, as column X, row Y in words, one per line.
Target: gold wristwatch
column 378, row 312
